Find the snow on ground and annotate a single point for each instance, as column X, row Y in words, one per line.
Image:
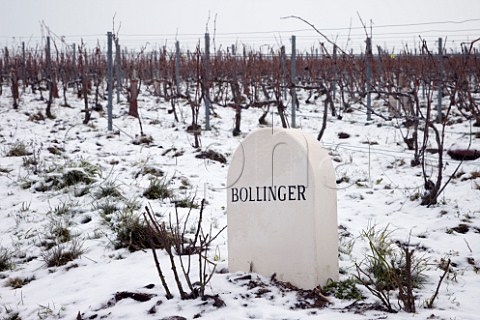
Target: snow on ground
column 379, row 191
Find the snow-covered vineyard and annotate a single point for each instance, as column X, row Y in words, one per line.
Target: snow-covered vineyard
column 131, row 223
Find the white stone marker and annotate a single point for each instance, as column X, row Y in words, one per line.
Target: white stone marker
column 282, row 208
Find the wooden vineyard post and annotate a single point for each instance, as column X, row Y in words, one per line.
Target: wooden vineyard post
column 110, row 81
column 440, row 79
column 368, row 55
column 207, row 82
column 133, row 107
column 294, row 81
